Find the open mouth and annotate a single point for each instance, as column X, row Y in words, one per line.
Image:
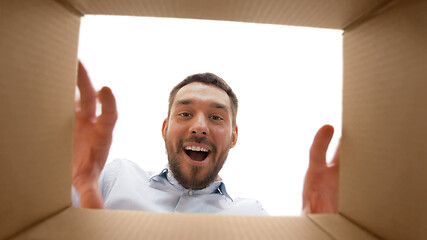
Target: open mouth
column 196, row 153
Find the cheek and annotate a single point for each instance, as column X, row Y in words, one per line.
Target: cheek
column 174, row 129
column 222, row 136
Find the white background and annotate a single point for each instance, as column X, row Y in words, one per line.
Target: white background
column 288, row 81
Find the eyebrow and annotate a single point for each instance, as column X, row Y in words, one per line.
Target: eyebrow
column 217, row 105
column 184, row 102
column 213, row 105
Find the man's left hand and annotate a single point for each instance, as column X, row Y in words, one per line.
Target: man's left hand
column 320, row 194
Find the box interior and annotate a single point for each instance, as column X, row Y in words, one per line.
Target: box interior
column 384, row 122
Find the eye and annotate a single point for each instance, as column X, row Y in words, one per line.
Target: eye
column 217, row 118
column 184, row 114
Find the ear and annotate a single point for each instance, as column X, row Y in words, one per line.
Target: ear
column 164, row 128
column 234, row 135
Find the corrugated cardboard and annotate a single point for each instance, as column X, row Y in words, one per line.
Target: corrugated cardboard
column 382, row 178
column 321, row 13
column 339, row 227
column 108, row 224
column 383, row 173
column 38, row 46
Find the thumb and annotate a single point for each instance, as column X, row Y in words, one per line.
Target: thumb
column 320, row 146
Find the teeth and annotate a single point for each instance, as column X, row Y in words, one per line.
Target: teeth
column 196, row 149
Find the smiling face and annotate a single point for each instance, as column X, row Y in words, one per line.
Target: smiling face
column 198, row 134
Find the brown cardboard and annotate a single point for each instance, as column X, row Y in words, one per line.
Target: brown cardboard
column 38, row 47
column 383, row 173
column 321, row 13
column 339, row 227
column 112, row 224
column 382, row 177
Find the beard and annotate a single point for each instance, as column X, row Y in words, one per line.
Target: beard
column 197, row 179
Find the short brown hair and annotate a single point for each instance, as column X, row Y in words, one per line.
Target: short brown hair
column 210, row 79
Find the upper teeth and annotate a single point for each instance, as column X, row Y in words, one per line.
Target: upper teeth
column 196, row 148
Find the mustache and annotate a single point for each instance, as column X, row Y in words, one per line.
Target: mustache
column 195, row 139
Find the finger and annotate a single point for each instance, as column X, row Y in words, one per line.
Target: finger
column 87, row 93
column 108, row 117
column 336, row 158
column 77, row 106
column 320, row 146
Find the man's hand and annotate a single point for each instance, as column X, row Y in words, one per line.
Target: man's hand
column 92, row 139
column 320, row 194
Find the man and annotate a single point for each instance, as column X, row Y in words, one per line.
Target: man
column 199, row 131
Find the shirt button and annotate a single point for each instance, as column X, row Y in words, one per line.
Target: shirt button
column 169, row 174
column 190, row 193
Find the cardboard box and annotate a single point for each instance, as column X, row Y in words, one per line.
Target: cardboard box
column 383, row 190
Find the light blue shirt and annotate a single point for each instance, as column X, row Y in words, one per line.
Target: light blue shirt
column 124, row 185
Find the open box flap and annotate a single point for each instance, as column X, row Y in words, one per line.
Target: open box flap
column 38, row 46
column 113, row 224
column 310, row 13
column 384, row 144
column 339, row 227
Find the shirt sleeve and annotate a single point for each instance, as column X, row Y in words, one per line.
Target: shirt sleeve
column 248, row 207
column 108, row 177
column 106, row 182
column 75, row 197
column 262, row 211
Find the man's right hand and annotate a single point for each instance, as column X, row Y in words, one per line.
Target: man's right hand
column 92, row 138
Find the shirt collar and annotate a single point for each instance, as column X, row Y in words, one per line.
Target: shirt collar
column 217, row 186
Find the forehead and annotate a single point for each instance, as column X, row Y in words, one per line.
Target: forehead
column 197, row 92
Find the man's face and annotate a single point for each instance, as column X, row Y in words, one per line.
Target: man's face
column 198, row 134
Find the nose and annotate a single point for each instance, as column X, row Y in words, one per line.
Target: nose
column 199, row 126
